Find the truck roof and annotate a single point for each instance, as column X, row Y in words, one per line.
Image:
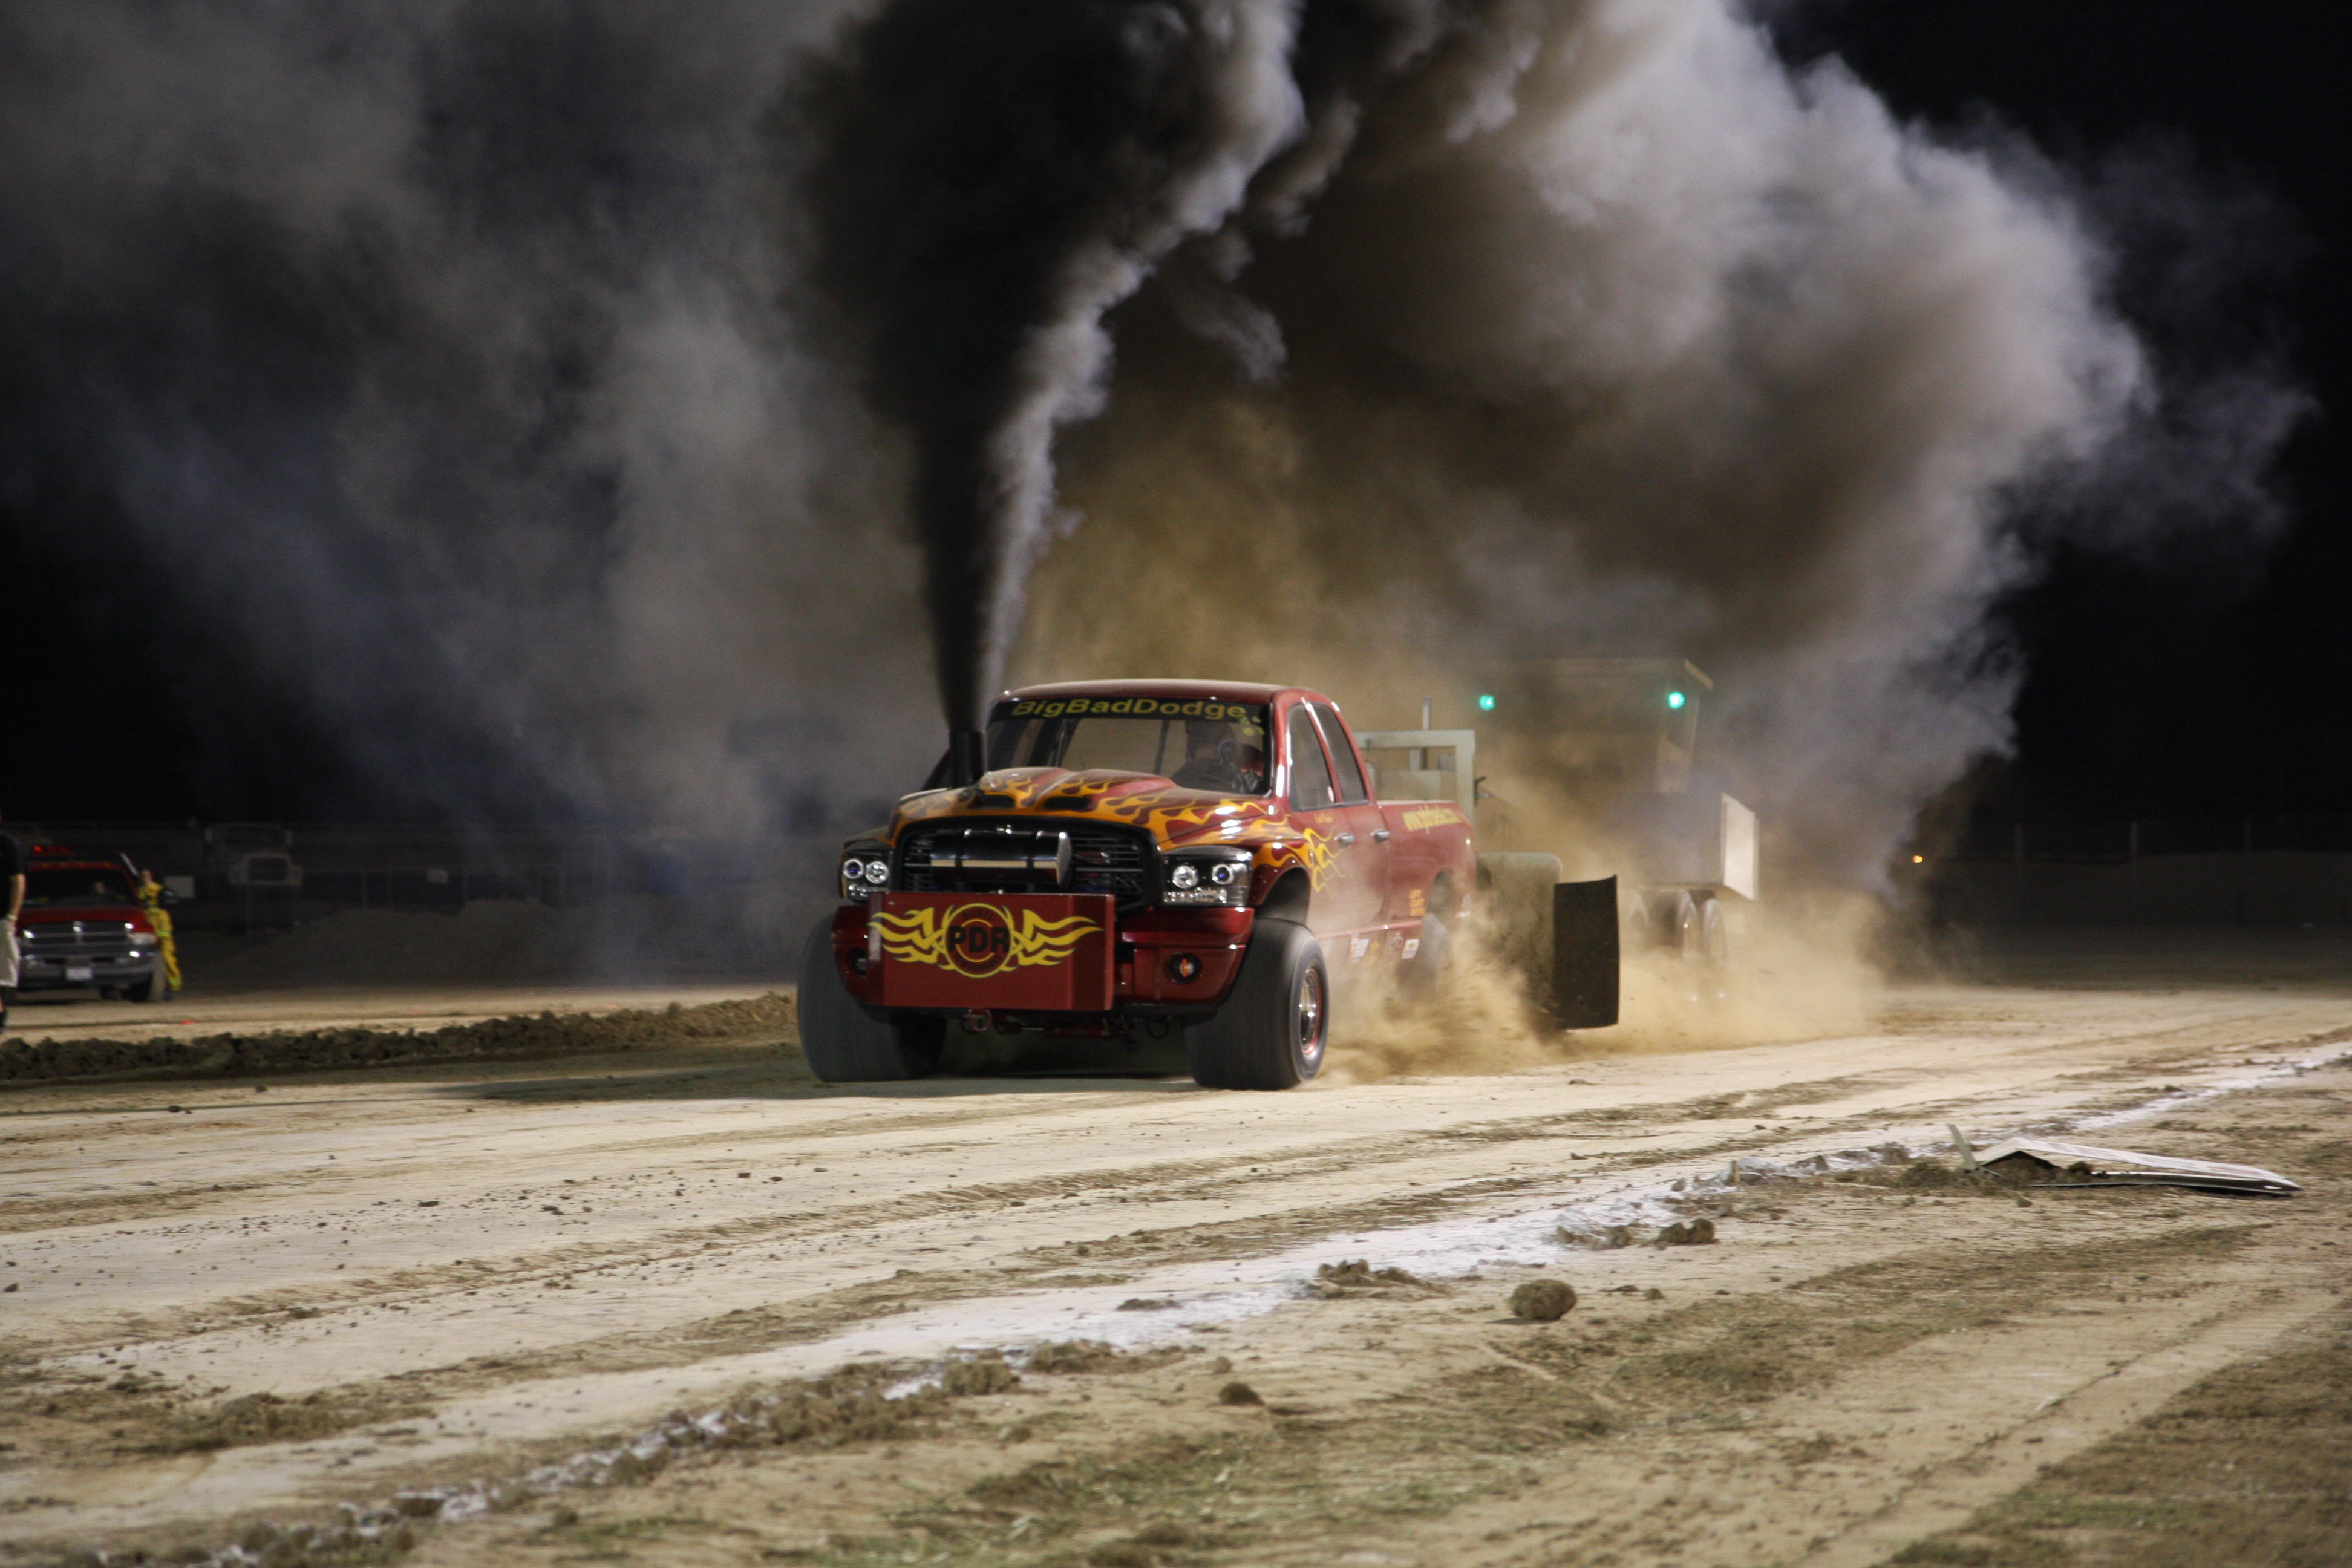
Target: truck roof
column 1207, row 691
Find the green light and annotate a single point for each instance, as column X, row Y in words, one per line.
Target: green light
column 1675, row 700
column 1485, row 702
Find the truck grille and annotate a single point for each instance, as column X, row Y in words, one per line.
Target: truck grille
column 74, row 938
column 1103, row 859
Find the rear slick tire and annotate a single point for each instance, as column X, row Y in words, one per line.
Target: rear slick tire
column 1272, row 1030
column 846, row 1044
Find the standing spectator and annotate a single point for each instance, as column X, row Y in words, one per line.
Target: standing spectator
column 151, row 898
column 12, row 904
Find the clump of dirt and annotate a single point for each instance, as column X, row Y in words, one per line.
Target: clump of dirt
column 1238, row 1393
column 1542, row 1301
column 983, row 1373
column 842, row 1408
column 1688, row 1233
column 513, row 1039
column 1696, row 1232
column 1063, row 1356
column 1359, row 1277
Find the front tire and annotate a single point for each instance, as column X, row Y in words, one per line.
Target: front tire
column 1276, row 1021
column 846, row 1044
column 148, row 990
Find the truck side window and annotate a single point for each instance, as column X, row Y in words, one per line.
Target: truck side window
column 1343, row 756
column 1311, row 779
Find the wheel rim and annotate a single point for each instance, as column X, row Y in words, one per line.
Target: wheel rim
column 1308, row 1017
column 1689, row 936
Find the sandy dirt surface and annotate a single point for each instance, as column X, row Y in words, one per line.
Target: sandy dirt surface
column 686, row 1306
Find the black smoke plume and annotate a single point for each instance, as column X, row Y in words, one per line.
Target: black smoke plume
column 991, row 180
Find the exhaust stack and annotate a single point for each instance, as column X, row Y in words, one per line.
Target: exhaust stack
column 966, row 757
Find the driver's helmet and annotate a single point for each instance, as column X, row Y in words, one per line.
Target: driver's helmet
column 1206, row 735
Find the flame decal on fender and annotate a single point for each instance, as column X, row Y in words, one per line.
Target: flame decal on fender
column 1317, row 853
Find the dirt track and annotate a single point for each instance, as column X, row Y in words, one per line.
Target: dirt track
column 231, row 1307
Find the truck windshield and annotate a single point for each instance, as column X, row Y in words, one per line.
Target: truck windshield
column 1193, row 745
column 60, row 885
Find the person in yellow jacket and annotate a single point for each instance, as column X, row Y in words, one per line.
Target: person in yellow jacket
column 151, row 898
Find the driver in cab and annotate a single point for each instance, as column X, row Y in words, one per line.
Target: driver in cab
column 1218, row 756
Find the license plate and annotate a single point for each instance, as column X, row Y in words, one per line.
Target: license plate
column 78, row 971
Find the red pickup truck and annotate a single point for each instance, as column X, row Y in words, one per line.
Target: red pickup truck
column 83, row 926
column 1138, row 858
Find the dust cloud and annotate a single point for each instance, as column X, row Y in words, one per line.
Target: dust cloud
column 1796, row 973
column 1618, row 338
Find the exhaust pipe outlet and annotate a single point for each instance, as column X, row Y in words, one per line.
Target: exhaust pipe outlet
column 966, row 757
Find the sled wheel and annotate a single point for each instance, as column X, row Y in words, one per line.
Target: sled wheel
column 1271, row 1031
column 846, row 1044
column 1680, row 925
column 1714, row 935
column 1714, row 952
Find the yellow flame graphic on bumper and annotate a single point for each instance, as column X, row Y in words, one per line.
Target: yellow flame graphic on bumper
column 963, row 939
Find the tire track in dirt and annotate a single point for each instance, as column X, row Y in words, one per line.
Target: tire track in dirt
column 1178, row 1182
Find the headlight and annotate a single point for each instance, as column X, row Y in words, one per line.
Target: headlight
column 865, row 871
column 1206, row 877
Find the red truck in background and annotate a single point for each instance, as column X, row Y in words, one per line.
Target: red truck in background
column 83, row 926
column 1136, row 857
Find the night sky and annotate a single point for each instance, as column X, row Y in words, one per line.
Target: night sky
column 2191, row 679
